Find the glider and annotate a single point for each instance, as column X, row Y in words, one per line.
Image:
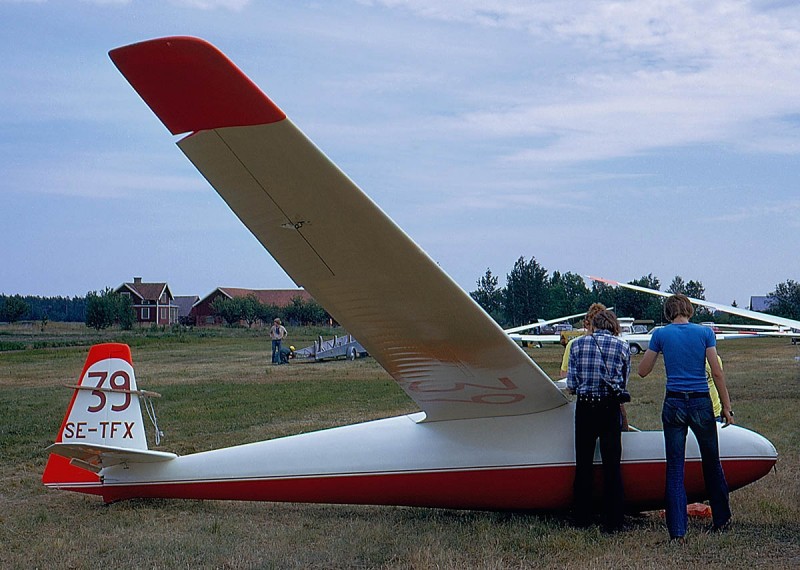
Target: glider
column 493, row 432
column 784, row 325
column 540, row 338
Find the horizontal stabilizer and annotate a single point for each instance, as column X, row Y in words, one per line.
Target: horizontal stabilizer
column 107, row 455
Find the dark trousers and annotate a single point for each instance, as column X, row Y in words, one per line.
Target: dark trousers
column 601, row 420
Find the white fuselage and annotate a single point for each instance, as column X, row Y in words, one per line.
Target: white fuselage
column 514, row 462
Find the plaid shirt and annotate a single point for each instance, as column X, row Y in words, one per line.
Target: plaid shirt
column 587, row 366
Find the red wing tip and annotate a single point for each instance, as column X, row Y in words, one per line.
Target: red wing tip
column 601, row 280
column 192, row 86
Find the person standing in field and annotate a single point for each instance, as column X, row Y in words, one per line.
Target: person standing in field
column 599, row 366
column 594, row 308
column 686, row 348
column 277, row 333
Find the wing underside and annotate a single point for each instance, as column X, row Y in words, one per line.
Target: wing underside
column 445, row 352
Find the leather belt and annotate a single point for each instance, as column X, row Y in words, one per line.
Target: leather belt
column 687, row 395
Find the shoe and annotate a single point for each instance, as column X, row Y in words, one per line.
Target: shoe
column 724, row 527
column 677, row 540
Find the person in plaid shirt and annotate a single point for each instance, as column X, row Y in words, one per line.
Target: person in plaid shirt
column 599, row 365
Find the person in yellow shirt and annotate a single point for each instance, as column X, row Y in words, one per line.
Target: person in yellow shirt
column 712, row 390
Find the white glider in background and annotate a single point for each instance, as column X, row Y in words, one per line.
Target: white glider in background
column 787, row 325
column 540, row 338
column 494, row 431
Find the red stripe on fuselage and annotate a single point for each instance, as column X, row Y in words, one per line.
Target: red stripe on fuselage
column 535, row 488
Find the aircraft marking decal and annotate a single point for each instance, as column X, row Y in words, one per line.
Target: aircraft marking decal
column 80, row 430
column 486, row 398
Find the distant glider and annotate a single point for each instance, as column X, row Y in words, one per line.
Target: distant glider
column 494, row 431
column 784, row 325
column 514, row 332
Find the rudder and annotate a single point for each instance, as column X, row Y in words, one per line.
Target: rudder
column 104, row 413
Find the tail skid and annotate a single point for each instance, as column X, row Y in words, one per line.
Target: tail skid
column 103, row 425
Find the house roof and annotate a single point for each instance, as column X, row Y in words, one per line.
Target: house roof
column 185, row 303
column 147, row 291
column 279, row 297
column 760, row 303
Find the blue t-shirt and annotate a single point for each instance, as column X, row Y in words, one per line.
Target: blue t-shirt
column 684, row 348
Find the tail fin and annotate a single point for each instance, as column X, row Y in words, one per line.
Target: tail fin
column 103, row 425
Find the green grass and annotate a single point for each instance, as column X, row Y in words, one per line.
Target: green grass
column 218, row 390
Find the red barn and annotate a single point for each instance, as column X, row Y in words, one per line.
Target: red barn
column 204, row 315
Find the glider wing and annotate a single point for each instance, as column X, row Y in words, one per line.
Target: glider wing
column 445, row 352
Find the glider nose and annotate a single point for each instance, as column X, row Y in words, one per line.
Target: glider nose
column 746, row 455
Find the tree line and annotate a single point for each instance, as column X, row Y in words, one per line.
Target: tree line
column 532, row 293
column 15, row 308
column 251, row 311
column 106, row 308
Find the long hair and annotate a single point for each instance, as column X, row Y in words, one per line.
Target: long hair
column 606, row 321
column 594, row 308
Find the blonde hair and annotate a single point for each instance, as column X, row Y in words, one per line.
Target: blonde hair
column 678, row 305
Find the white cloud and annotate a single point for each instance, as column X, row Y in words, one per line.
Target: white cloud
column 674, row 73
column 769, row 212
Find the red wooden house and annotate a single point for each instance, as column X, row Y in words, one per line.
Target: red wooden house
column 153, row 303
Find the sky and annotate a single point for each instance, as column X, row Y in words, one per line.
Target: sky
column 616, row 139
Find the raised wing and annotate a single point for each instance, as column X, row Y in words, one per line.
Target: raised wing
column 445, row 352
column 764, row 317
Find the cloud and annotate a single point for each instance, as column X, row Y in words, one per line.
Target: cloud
column 100, row 175
column 674, row 73
column 787, row 210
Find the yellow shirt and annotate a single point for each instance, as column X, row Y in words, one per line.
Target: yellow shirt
column 565, row 358
column 712, row 389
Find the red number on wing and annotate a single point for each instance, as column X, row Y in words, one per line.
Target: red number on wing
column 491, row 398
column 484, row 399
column 419, row 386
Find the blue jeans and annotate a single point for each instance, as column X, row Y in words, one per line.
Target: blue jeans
column 677, row 415
column 276, row 351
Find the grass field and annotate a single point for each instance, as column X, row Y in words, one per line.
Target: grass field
column 218, row 390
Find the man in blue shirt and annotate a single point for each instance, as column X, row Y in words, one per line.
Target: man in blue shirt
column 686, row 348
column 599, row 365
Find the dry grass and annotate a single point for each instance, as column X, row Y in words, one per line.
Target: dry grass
column 220, row 391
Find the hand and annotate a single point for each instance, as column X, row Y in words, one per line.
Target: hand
column 727, row 417
column 623, row 418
